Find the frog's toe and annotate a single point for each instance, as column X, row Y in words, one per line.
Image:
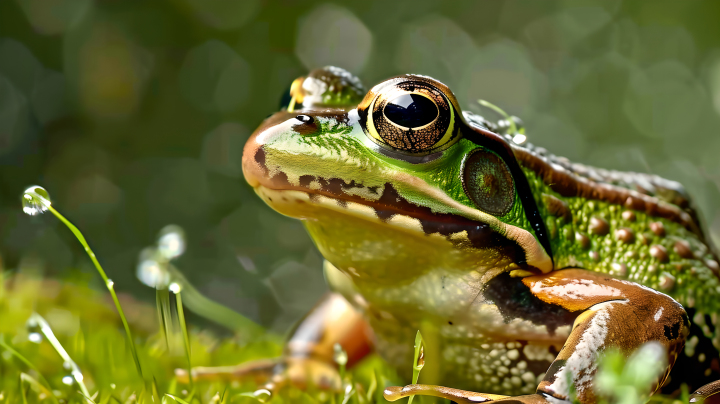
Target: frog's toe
column 708, row 394
column 458, row 396
column 259, row 371
column 464, row 396
column 272, row 373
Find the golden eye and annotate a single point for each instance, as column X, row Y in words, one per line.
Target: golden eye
column 409, row 114
column 488, row 182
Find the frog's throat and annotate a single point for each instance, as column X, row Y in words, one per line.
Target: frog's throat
column 392, row 209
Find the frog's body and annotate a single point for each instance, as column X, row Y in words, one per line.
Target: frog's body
column 478, row 242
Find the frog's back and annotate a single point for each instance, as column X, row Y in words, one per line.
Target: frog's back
column 638, row 227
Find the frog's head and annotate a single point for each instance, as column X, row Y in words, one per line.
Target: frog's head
column 397, row 180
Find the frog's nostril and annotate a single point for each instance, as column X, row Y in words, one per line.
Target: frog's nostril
column 305, row 118
column 307, row 127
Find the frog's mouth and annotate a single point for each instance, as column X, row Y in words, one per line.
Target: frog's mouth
column 388, row 206
column 385, row 204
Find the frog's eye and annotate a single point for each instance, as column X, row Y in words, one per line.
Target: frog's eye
column 488, row 183
column 326, row 87
column 409, row 114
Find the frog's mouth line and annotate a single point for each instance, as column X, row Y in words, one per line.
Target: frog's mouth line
column 387, row 206
column 457, row 229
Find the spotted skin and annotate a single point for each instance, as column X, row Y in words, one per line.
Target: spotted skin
column 515, row 296
column 669, row 254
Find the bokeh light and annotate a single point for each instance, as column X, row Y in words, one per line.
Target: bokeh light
column 224, row 14
column 52, row 17
column 332, row 35
column 214, row 77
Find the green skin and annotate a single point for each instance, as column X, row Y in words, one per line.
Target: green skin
column 404, row 279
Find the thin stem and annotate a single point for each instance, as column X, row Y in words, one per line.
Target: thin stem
column 214, row 311
column 163, row 298
column 108, row 282
column 418, row 360
column 186, row 336
column 513, row 128
column 48, row 332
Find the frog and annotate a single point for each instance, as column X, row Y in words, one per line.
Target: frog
column 519, row 267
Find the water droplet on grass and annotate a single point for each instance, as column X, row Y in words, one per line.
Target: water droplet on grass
column 35, row 200
column 33, row 330
column 171, row 242
column 152, row 274
column 68, row 380
column 175, row 287
column 110, row 283
column 340, row 356
column 262, row 395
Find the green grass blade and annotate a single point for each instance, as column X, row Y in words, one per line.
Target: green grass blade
column 87, row 397
column 161, row 317
column 155, row 391
column 163, row 301
column 373, row 385
column 31, row 381
column 23, row 392
column 177, row 399
column 106, row 399
column 223, row 398
column 28, row 364
column 418, row 360
column 176, row 289
column 48, row 332
column 38, row 199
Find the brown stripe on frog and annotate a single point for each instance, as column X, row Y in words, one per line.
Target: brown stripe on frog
column 569, row 184
column 391, row 203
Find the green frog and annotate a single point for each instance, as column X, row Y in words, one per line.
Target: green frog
column 519, row 267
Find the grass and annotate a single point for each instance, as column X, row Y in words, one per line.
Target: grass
column 86, row 326
column 66, row 343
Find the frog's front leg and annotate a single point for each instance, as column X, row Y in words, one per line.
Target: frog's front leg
column 611, row 313
column 308, row 357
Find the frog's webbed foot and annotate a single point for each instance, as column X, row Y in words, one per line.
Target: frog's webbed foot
column 462, row 396
column 709, row 394
column 271, row 374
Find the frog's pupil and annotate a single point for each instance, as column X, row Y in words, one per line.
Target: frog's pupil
column 411, row 110
column 304, row 118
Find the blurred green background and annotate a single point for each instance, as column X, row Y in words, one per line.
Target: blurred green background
column 133, row 115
